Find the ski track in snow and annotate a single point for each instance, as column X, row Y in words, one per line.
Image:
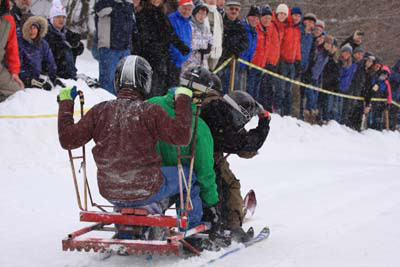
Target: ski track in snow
column 330, row 195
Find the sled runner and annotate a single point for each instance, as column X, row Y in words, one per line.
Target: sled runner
column 131, row 230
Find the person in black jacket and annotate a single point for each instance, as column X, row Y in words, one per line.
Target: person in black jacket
column 234, row 41
column 330, row 81
column 358, row 88
column 65, row 44
column 226, row 117
column 155, row 34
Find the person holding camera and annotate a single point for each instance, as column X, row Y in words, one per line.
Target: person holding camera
column 355, row 40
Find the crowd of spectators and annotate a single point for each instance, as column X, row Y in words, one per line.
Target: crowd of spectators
column 35, row 51
column 176, row 35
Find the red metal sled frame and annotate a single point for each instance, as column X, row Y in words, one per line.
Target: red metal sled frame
column 171, row 246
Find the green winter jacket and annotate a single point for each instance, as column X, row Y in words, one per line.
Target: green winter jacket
column 204, row 160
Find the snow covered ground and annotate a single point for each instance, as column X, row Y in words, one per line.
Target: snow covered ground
column 330, row 195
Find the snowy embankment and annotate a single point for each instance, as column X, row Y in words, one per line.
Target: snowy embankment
column 329, row 194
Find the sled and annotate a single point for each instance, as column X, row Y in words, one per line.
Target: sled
column 131, row 231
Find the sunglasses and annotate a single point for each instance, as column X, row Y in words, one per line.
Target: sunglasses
column 234, row 9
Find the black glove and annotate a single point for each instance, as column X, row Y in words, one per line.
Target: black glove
column 57, row 81
column 205, row 51
column 183, row 48
column 41, row 83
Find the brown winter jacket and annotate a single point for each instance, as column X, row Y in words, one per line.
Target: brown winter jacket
column 126, row 131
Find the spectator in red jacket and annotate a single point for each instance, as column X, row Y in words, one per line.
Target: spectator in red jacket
column 289, row 62
column 266, row 56
column 9, row 79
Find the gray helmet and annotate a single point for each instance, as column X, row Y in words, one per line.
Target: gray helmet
column 200, row 79
column 134, row 73
column 243, row 108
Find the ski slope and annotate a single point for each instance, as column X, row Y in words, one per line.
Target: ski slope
column 330, row 195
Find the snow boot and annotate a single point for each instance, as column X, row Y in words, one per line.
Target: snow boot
column 240, row 236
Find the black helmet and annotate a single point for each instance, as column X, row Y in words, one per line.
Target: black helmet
column 198, row 78
column 133, row 72
column 244, row 107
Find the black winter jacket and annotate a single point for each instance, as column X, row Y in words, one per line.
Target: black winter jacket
column 331, row 75
column 65, row 45
column 155, row 33
column 226, row 139
column 235, row 39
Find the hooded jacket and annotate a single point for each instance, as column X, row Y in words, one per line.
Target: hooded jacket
column 203, row 157
column 125, row 132
column 268, row 45
column 35, row 55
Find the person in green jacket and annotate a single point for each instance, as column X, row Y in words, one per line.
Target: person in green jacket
column 204, row 150
column 203, row 159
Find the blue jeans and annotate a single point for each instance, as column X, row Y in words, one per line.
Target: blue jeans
column 253, row 83
column 337, row 108
column 108, row 60
column 283, row 92
column 170, row 188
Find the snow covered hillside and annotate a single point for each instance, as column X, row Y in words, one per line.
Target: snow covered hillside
column 330, row 195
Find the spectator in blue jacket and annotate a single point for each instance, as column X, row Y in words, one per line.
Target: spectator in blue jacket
column 180, row 21
column 306, row 45
column 35, row 54
column 249, row 23
column 340, row 105
column 114, row 28
column 317, row 66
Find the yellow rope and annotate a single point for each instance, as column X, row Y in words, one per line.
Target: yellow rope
column 221, row 67
column 311, row 86
column 38, row 116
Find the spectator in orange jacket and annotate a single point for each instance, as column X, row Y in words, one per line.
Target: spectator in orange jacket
column 266, row 56
column 9, row 79
column 289, row 62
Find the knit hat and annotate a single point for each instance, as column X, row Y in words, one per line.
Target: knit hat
column 199, row 5
column 320, row 23
column 358, row 49
column 57, row 9
column 265, row 11
column 232, row 3
column 185, row 3
column 296, row 10
column 282, row 8
column 254, row 11
column 310, row 16
column 347, row 48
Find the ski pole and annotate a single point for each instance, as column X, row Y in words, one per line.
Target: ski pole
column 83, row 165
column 196, row 123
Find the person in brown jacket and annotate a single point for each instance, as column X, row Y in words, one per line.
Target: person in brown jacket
column 126, row 131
